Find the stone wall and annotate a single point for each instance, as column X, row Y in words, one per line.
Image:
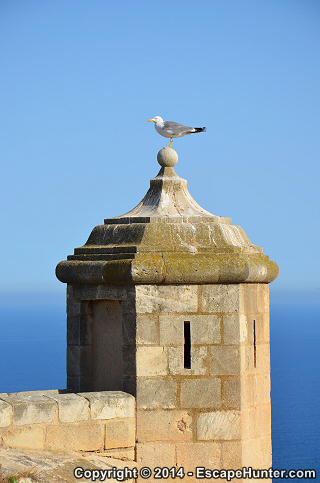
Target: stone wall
column 49, row 420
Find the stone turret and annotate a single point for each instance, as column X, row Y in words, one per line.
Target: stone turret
column 169, row 303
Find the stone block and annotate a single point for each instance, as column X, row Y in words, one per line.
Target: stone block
column 85, row 355
column 164, row 425
column 85, row 326
column 263, row 358
column 120, row 433
column 151, row 361
column 171, row 329
column 200, row 393
column 262, row 326
column 205, row 329
column 231, row 393
column 257, row 453
column 191, row 455
column 32, row 409
column 46, row 392
column 220, row 299
column 249, row 423
column 129, row 362
column 72, row 407
column 5, row 414
column 254, row 298
column 73, row 329
column 156, row 454
column 247, row 390
column 261, row 389
column 231, row 452
column 199, row 361
column 255, row 360
column 110, row 404
column 73, row 360
column 147, row 329
column 216, row 425
column 264, row 419
column 86, row 436
column 224, row 360
column 156, row 393
column 129, row 329
column 164, row 298
column 235, row 329
column 26, row 437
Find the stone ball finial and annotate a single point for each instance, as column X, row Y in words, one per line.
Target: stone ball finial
column 167, row 157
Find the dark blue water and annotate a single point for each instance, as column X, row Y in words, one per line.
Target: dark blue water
column 32, row 348
column 32, row 356
column 295, row 387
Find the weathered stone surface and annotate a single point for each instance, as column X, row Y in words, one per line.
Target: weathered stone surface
column 162, row 298
column 200, row 393
column 120, row 433
column 255, row 298
column 5, row 413
column 152, row 361
column 224, row 360
column 219, row 425
column 205, row 329
column 29, row 409
column 231, row 393
column 147, row 330
column 191, row 455
column 156, row 454
column 220, row 298
column 72, row 407
column 167, row 157
column 261, row 385
column 110, row 404
column 124, row 454
column 28, row 436
column 156, row 393
column 199, row 361
column 231, row 453
column 235, row 329
column 75, row 437
column 164, row 425
column 56, row 467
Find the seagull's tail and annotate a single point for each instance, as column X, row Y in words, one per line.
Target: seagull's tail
column 199, row 129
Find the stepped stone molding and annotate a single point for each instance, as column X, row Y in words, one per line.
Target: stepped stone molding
column 167, row 238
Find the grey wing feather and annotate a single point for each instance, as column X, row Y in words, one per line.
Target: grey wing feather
column 176, row 128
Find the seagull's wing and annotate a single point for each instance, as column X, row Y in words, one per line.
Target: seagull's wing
column 176, row 128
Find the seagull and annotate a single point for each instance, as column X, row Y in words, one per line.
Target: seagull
column 171, row 130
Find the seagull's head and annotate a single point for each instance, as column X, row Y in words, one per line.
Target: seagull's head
column 156, row 119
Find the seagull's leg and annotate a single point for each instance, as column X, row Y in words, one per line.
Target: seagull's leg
column 170, row 145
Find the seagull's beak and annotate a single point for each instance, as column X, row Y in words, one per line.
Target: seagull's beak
column 149, row 120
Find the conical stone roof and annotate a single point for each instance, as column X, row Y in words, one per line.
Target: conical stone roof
column 167, row 238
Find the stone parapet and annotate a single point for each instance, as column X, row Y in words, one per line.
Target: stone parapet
column 52, row 420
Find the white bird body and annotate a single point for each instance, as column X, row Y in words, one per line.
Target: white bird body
column 170, row 129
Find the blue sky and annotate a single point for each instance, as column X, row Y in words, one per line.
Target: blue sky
column 80, row 79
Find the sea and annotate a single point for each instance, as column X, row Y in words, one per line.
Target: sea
column 33, row 356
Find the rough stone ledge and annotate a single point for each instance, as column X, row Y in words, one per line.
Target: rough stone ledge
column 40, row 406
column 57, row 420
column 58, row 467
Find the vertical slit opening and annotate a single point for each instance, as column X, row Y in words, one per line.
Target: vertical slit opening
column 254, row 345
column 187, row 346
